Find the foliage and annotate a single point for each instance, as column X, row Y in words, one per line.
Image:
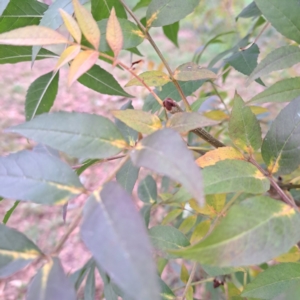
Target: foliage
column 215, row 173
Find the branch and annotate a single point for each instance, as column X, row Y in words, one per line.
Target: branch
column 285, row 198
column 189, row 281
column 173, row 108
column 70, row 229
column 151, row 41
column 100, row 161
column 289, row 186
column 117, row 62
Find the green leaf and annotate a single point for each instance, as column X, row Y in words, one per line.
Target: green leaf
column 187, row 121
column 14, row 54
column 86, row 164
column 187, row 224
column 37, row 177
column 244, row 128
column 127, row 176
column 200, row 231
column 147, row 190
column 139, row 120
column 282, row 91
column 89, row 289
column 109, row 288
column 252, row 232
column 230, row 176
column 167, row 237
column 184, row 274
column 132, row 35
column 16, row 251
column 151, row 78
column 166, row 153
column 165, row 292
column 217, row 271
column 214, row 40
column 9, row 212
column 191, row 71
column 165, row 12
column 249, row 11
column 171, row 32
column 169, row 91
column 41, row 95
column 281, row 58
column 77, row 134
column 102, row 82
column 273, row 281
column 245, row 61
column 280, row 148
column 79, row 275
column 128, row 133
column 145, row 211
column 283, row 15
column 21, row 13
column 111, row 219
column 101, row 9
column 171, row 216
column 51, row 283
column 141, row 4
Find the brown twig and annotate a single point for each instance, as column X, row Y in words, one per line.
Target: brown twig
column 173, row 108
column 289, row 186
column 284, row 197
column 70, row 229
column 151, row 41
column 100, row 161
column 256, row 39
column 117, row 62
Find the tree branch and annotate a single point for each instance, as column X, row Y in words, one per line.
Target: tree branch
column 189, row 281
column 151, row 41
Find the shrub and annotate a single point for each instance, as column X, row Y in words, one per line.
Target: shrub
column 230, row 217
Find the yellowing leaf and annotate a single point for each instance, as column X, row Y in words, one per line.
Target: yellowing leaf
column 184, row 274
column 114, row 35
column 71, row 25
column 200, row 231
column 222, row 153
column 171, row 216
column 187, row 224
column 87, row 24
column 217, row 201
column 257, row 110
column 82, row 63
column 217, row 115
column 151, row 78
column 213, row 205
column 67, row 55
column 292, row 256
column 139, row 120
column 207, row 209
column 190, row 293
column 191, row 71
column 32, row 36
